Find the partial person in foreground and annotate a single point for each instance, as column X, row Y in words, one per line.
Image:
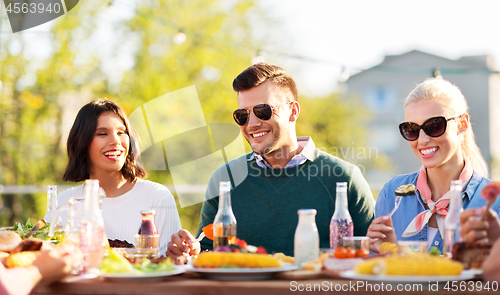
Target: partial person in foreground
column 475, row 229
column 48, row 267
column 491, row 266
column 101, row 145
column 285, row 172
column 439, row 132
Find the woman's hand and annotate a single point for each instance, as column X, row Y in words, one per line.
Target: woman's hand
column 181, row 246
column 475, row 230
column 381, row 230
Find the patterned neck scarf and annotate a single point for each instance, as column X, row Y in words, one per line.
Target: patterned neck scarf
column 440, row 207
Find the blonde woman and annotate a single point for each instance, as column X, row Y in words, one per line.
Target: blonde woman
column 438, row 129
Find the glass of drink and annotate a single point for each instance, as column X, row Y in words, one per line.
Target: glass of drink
column 357, row 243
column 148, row 245
column 405, row 247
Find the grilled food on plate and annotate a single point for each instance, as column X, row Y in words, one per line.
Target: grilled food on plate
column 410, row 264
column 232, row 259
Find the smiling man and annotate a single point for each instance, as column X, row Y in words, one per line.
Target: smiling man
column 285, row 172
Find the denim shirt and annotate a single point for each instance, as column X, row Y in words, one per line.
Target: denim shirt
column 412, row 205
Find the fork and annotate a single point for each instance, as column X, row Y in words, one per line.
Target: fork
column 397, row 201
column 200, row 237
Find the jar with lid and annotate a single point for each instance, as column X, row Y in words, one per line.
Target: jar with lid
column 306, row 240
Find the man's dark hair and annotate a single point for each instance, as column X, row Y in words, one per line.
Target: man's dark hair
column 259, row 73
column 81, row 136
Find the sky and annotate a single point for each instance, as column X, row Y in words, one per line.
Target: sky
column 322, row 37
column 358, row 34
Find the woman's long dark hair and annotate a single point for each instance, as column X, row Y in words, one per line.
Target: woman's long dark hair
column 81, row 136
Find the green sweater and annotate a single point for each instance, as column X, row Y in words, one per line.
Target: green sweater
column 265, row 203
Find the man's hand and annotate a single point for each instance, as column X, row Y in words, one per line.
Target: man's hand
column 181, row 246
column 475, row 230
column 381, row 230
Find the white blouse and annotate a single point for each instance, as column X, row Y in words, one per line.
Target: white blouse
column 122, row 214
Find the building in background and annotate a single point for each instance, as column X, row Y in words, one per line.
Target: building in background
column 384, row 87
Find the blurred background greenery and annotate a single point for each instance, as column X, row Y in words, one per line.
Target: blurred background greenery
column 132, row 54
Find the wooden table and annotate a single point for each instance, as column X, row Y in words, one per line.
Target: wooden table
column 193, row 284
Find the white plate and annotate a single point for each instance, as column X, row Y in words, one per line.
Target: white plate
column 230, row 274
column 142, row 277
column 476, row 272
column 350, row 274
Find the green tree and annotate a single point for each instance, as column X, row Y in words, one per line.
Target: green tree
column 338, row 127
column 83, row 65
column 31, row 109
column 28, row 132
column 211, row 56
column 136, row 63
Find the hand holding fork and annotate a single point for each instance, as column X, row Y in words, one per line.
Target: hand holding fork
column 397, row 201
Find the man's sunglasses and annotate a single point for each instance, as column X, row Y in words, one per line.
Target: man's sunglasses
column 262, row 111
column 434, row 127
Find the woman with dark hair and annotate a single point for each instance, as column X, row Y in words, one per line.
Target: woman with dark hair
column 101, row 145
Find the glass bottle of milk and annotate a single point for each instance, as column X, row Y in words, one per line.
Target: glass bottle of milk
column 306, row 241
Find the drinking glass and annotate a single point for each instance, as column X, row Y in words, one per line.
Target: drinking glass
column 148, row 244
column 358, row 243
column 405, row 247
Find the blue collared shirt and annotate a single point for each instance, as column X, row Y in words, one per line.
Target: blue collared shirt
column 299, row 159
column 412, row 205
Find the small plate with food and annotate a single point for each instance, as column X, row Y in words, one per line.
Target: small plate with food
column 115, row 267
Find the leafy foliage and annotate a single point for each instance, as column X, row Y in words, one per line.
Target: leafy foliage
column 338, row 127
column 133, row 59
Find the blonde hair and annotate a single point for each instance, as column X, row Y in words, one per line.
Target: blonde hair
column 452, row 99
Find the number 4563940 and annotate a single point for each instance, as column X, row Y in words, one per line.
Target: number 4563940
column 33, row 8
column 470, row 286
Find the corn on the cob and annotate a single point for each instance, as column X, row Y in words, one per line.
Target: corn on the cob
column 22, row 259
column 3, row 257
column 367, row 266
column 315, row 264
column 411, row 264
column 389, row 247
column 283, row 258
column 219, row 259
